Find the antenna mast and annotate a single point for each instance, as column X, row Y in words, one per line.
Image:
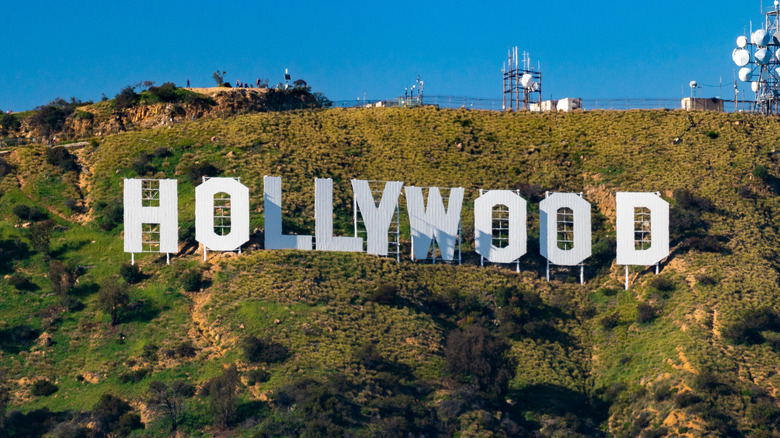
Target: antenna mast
column 522, row 83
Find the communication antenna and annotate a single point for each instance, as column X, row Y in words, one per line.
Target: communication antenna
column 759, row 60
column 522, row 83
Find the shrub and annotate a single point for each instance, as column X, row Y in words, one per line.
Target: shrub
column 644, row 313
column 149, row 352
column 685, row 399
column 130, row 273
column 369, row 357
column 705, row 280
column 27, row 213
column 196, row 172
column 112, row 297
column 165, row 92
column 50, row 118
column 663, row 284
column 126, row 98
column 185, row 349
column 610, row 321
column 221, row 393
column 40, row 237
column 475, row 356
column 263, row 350
column 62, row 278
column 109, row 215
column 62, row 158
column 71, row 204
column 761, row 172
column 133, row 376
column 384, row 294
column 162, row 152
column 43, row 387
column 112, row 414
column 712, row 134
column 257, row 376
column 141, row 165
column 191, row 280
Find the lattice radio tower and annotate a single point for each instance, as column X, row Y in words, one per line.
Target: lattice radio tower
column 522, row 83
column 759, row 59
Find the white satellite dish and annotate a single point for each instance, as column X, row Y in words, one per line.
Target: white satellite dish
column 745, row 74
column 527, row 80
column 742, row 42
column 754, row 86
column 741, row 57
column 693, row 84
column 777, row 54
column 777, row 72
column 763, row 56
column 760, row 37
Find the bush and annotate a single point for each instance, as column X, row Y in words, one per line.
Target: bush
column 685, row 399
column 761, row 172
column 109, row 215
column 712, row 134
column 126, row 98
column 475, row 356
column 191, row 280
column 130, row 273
column 222, row 398
column 257, row 376
column 644, row 313
column 663, row 284
column 196, row 172
column 62, row 158
column 51, row 118
column 112, row 297
column 185, row 349
column 71, row 204
column 112, row 414
column 162, row 152
column 43, row 388
column 263, row 350
column 135, row 376
column 706, row 244
column 705, row 280
column 165, row 92
column 384, row 294
column 610, row 321
column 149, row 352
column 27, row 213
column 141, row 165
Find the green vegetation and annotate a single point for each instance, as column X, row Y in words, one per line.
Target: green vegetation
column 290, row 343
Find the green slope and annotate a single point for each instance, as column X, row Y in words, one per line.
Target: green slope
column 585, row 364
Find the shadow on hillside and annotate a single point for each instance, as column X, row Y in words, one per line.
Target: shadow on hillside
column 555, row 400
column 141, row 311
column 67, row 247
column 84, row 290
column 17, row 339
column 11, row 250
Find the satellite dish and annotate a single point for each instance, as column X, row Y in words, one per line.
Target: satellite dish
column 527, row 80
column 777, row 72
column 754, row 86
column 760, row 37
column 763, row 56
column 742, row 42
column 741, row 57
column 693, row 84
column 745, row 74
column 777, row 54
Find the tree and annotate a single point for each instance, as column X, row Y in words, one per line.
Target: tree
column 476, row 356
column 126, row 98
column 130, row 273
column 111, row 297
column 170, row 400
column 62, row 279
column 221, row 393
column 219, row 78
column 40, row 237
column 112, row 414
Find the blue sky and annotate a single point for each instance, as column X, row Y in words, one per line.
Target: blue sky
column 588, row 49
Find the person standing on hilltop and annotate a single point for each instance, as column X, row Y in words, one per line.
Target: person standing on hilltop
column 238, row 83
column 188, row 83
column 258, row 82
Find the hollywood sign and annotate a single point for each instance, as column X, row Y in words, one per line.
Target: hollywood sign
column 151, row 209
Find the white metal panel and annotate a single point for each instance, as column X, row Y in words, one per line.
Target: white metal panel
column 548, row 229
column 135, row 215
column 323, row 221
column 432, row 221
column 627, row 254
column 239, row 214
column 483, row 226
column 272, row 206
column 377, row 219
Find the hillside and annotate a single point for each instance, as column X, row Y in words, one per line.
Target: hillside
column 352, row 344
